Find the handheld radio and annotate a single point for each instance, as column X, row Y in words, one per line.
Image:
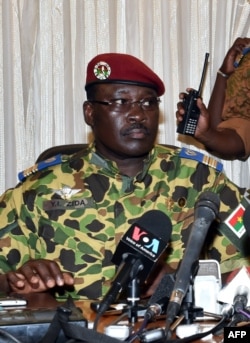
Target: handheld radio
column 188, row 125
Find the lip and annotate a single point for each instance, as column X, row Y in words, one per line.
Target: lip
column 136, row 132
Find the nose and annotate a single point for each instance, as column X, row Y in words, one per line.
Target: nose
column 136, row 113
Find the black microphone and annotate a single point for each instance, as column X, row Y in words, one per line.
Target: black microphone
column 239, row 304
column 205, row 211
column 156, row 308
column 240, row 298
column 157, row 303
column 227, row 311
column 137, row 252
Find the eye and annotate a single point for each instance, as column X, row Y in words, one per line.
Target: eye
column 119, row 101
column 150, row 102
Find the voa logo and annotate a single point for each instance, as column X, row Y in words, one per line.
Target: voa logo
column 145, row 239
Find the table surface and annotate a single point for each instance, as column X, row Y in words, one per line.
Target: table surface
column 45, row 300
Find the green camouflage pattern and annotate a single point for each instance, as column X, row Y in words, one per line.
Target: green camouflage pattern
column 76, row 212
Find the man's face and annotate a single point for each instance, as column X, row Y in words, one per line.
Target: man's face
column 123, row 130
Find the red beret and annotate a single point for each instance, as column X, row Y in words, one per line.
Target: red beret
column 122, row 68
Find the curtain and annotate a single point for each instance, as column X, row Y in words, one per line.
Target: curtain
column 46, row 45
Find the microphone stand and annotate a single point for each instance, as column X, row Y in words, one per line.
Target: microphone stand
column 133, row 299
column 188, row 309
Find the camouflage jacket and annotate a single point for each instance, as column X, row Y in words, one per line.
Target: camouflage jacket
column 75, row 209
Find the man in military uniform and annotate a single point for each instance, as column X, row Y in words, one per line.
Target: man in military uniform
column 224, row 129
column 61, row 224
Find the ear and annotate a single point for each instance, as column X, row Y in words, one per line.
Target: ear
column 88, row 113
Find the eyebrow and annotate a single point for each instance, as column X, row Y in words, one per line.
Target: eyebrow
column 125, row 91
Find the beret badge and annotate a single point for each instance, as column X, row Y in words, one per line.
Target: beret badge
column 102, row 70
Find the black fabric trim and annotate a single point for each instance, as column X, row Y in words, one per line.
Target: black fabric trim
column 125, row 82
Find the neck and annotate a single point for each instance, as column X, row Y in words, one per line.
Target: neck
column 130, row 166
column 127, row 165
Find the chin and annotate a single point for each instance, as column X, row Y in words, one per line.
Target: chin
column 138, row 150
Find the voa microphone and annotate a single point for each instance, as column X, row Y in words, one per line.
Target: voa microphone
column 137, row 252
column 205, row 211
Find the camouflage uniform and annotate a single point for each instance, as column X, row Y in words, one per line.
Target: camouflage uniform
column 76, row 211
column 236, row 111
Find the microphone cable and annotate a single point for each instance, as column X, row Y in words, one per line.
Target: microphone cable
column 152, row 311
column 201, row 335
column 240, row 313
column 160, row 334
column 96, row 321
column 136, row 334
column 245, row 313
column 6, row 337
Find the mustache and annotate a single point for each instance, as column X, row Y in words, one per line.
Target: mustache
column 135, row 126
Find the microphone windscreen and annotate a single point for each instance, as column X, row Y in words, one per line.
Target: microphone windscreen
column 209, row 199
column 157, row 223
column 146, row 239
column 163, row 290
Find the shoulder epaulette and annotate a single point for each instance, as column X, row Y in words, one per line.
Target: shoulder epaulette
column 57, row 159
column 202, row 158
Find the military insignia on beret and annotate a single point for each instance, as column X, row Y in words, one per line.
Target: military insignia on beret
column 102, row 70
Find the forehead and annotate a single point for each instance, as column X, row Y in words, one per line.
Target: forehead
column 117, row 89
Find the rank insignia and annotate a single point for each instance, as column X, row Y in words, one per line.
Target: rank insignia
column 200, row 157
column 40, row 166
column 66, row 192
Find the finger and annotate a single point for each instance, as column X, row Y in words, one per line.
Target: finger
column 180, row 108
column 49, row 273
column 26, row 287
column 202, row 107
column 68, row 279
column 178, row 116
column 30, row 274
column 15, row 280
column 182, row 95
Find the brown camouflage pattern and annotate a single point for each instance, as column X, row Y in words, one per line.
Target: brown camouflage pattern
column 236, row 111
column 76, row 212
column 237, row 101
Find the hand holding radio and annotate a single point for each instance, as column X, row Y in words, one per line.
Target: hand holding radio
column 192, row 112
column 203, row 128
column 188, row 113
column 188, row 123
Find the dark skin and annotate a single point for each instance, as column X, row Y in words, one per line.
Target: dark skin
column 35, row 276
column 125, row 138
column 222, row 142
